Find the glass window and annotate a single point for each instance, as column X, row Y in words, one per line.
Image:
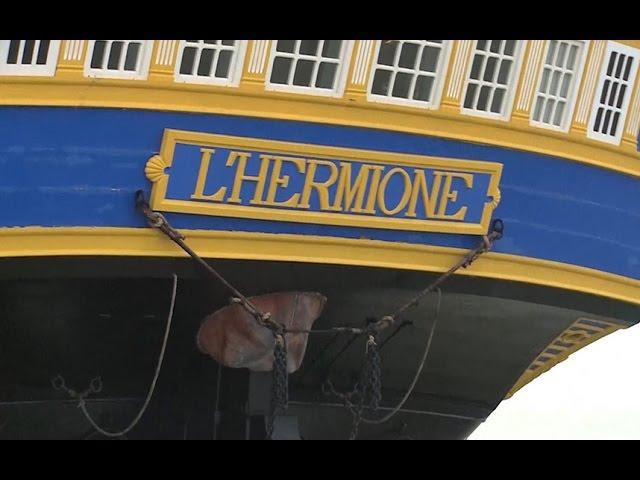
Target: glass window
column 492, row 77
column 409, row 71
column 312, row 66
column 559, row 79
column 612, row 96
column 118, row 59
column 210, row 61
column 28, row 57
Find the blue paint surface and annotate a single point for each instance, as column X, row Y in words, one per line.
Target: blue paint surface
column 81, row 167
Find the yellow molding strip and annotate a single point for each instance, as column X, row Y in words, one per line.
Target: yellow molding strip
column 110, row 241
column 574, row 338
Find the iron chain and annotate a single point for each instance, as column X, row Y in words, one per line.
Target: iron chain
column 280, row 382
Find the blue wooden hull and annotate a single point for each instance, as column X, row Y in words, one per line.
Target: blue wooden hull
column 64, row 167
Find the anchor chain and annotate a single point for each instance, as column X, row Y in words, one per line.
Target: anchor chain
column 368, row 389
column 280, row 382
column 367, row 392
column 158, row 220
column 497, row 230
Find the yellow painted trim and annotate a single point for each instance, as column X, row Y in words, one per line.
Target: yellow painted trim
column 576, row 125
column 584, row 340
column 349, row 85
column 144, row 242
column 632, row 137
column 157, row 164
column 524, row 73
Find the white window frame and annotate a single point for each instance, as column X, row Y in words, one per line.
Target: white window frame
column 235, row 68
column 141, row 73
column 438, row 84
column 340, row 81
column 511, row 90
column 571, row 99
column 624, row 109
column 18, row 70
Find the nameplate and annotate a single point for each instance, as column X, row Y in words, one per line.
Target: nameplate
column 220, row 175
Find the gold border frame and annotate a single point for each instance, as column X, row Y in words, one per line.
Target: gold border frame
column 158, row 163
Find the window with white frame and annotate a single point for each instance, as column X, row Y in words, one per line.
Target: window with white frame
column 409, row 72
column 611, row 99
column 555, row 98
column 29, row 57
column 492, row 78
column 308, row 66
column 118, row 59
column 210, row 61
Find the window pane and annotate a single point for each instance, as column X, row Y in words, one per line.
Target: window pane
column 423, row 88
column 285, row 45
column 27, row 53
column 509, row 47
column 470, row 96
column 309, row 47
column 331, row 48
column 302, row 75
column 505, row 69
column 537, row 110
column 114, row 56
column 571, row 60
column 188, row 57
column 206, row 62
column 429, row 61
column 387, row 52
column 401, row 85
column 562, row 52
column 326, row 75
column 381, row 81
column 224, row 62
column 43, row 52
column 490, row 69
column 557, row 119
column 483, row 98
column 131, row 59
column 98, row 54
column 280, row 70
column 476, row 66
column 496, row 103
column 12, row 56
column 623, row 90
column 551, row 52
column 627, row 69
column 408, row 55
column 564, row 88
column 548, row 110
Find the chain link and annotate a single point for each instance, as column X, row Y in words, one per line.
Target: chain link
column 367, row 392
column 368, row 389
column 280, row 382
